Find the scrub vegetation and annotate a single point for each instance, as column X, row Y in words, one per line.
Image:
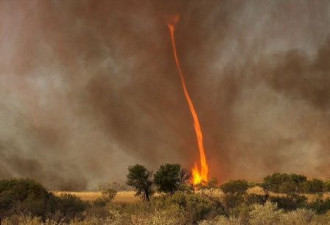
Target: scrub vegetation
column 279, row 199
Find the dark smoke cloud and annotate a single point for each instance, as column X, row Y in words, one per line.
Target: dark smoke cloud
column 90, row 87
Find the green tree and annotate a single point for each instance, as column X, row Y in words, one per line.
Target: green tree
column 140, row 178
column 170, row 177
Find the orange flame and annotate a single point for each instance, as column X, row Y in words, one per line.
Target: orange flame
column 201, row 175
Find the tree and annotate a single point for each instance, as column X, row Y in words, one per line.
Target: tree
column 140, row 178
column 170, row 177
column 185, row 176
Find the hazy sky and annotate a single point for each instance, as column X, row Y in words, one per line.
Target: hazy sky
column 88, row 88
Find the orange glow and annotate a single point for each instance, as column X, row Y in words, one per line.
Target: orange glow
column 199, row 175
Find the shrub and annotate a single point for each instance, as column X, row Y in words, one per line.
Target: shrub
column 235, row 187
column 251, row 199
column 231, row 201
column 283, row 183
column 209, row 187
column 320, row 205
column 196, row 207
column 91, row 221
column 321, row 219
column 156, row 211
column 298, row 217
column 290, row 183
column 171, row 215
column 222, row 220
column 22, row 220
column 313, row 186
column 327, row 186
column 25, row 196
column 288, row 187
column 289, row 202
column 266, row 214
column 71, row 206
column 108, row 193
column 96, row 211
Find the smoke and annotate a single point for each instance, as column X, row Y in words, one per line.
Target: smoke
column 90, row 87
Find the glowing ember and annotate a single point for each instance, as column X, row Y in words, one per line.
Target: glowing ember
column 202, row 174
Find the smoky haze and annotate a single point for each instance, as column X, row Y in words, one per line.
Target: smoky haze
column 90, row 87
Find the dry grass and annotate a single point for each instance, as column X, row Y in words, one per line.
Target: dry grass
column 128, row 196
column 83, row 195
column 256, row 190
column 310, row 197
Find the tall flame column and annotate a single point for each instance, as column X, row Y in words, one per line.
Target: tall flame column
column 202, row 174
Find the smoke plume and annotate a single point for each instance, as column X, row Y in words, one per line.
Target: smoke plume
column 90, row 87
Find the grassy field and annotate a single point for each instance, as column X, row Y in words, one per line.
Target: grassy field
column 128, row 196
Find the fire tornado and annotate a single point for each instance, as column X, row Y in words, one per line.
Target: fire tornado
column 199, row 175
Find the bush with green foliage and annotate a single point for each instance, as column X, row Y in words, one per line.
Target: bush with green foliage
column 289, row 202
column 292, row 183
column 327, row 186
column 209, row 186
column 267, row 214
column 232, row 201
column 71, row 206
column 108, row 193
column 140, row 178
column 27, row 197
column 235, row 187
column 320, row 206
column 170, row 177
column 251, row 199
column 196, row 207
column 24, row 201
column 313, row 186
column 283, row 183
